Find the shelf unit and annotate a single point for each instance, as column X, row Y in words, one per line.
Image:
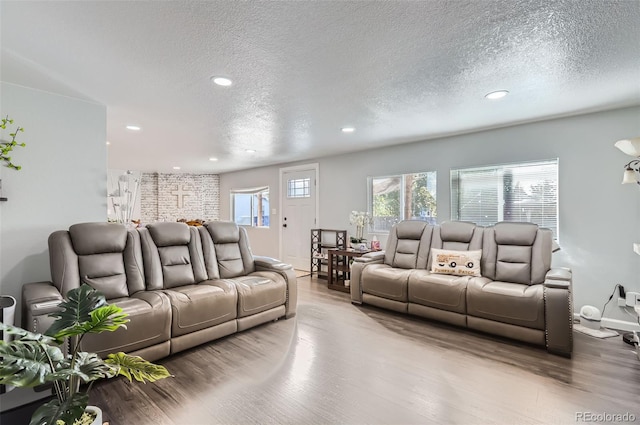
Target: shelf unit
column 321, row 241
column 340, row 268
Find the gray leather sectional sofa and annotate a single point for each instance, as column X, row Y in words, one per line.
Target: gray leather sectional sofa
column 516, row 293
column 181, row 286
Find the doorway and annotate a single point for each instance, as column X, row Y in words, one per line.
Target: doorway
column 299, row 212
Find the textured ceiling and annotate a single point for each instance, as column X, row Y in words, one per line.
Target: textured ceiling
column 398, row 71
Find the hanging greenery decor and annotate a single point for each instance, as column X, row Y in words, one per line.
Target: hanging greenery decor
column 7, row 146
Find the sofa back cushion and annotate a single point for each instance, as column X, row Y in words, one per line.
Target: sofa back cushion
column 231, row 247
column 456, row 236
column 103, row 255
column 516, row 252
column 172, row 255
column 408, row 245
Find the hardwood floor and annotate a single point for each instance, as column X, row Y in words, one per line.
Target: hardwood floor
column 341, row 364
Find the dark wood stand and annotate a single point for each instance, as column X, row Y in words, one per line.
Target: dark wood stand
column 340, row 267
column 321, row 241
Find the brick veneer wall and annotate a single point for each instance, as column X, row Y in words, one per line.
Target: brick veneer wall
column 159, row 200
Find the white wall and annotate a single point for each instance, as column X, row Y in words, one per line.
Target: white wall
column 62, row 181
column 599, row 217
column 264, row 241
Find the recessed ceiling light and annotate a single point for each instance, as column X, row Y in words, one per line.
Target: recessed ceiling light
column 176, row 168
column 221, row 81
column 348, row 129
column 213, row 159
column 250, row 151
column 496, row 94
column 108, row 142
column 134, row 127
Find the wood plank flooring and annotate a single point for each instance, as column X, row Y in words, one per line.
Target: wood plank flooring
column 341, row 364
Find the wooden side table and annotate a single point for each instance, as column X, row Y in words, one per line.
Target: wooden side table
column 339, row 267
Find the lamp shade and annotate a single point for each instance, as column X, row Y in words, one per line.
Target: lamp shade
column 629, row 176
column 629, row 146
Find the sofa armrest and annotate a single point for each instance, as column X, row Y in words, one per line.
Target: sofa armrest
column 286, row 270
column 358, row 266
column 558, row 299
column 370, row 257
column 39, row 299
column 559, row 273
column 268, row 263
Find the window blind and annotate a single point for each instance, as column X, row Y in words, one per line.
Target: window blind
column 513, row 192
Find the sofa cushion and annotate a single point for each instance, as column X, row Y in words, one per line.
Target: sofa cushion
column 444, row 292
column 260, row 291
column 514, row 264
column 408, row 245
column 104, row 272
column 506, row 302
column 149, row 324
column 386, row 282
column 515, row 233
column 201, row 306
column 176, row 266
column 168, row 233
column 224, row 232
column 458, row 263
column 97, row 238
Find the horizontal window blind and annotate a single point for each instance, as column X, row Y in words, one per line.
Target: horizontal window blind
column 513, row 192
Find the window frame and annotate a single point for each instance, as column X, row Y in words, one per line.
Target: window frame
column 402, row 198
column 254, row 210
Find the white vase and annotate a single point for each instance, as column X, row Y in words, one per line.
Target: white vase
column 98, row 412
column 7, row 313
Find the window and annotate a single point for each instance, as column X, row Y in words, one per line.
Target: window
column 298, row 188
column 402, row 197
column 250, row 207
column 514, row 192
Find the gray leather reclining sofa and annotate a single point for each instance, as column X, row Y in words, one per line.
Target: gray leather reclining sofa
column 518, row 294
column 181, row 286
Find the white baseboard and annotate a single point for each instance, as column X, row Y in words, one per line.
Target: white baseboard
column 620, row 325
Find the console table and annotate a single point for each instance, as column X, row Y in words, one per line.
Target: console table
column 339, row 267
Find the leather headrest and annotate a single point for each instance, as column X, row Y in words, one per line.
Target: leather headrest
column 410, row 229
column 169, row 233
column 223, row 231
column 457, row 231
column 513, row 233
column 98, row 238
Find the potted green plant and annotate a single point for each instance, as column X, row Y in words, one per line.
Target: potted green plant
column 32, row 359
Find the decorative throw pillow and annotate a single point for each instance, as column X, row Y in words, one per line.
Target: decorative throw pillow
column 458, row 263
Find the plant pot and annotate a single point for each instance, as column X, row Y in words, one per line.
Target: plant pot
column 98, row 412
column 359, row 246
column 7, row 313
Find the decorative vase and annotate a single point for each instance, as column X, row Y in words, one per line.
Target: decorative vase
column 96, row 411
column 7, row 313
column 359, row 246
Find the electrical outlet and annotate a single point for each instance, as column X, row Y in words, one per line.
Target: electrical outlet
column 622, row 296
column 633, row 298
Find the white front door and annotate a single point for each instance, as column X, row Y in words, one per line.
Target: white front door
column 298, row 198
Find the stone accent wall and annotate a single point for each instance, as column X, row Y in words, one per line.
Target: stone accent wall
column 169, row 197
column 149, row 197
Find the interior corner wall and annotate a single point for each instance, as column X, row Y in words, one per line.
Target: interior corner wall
column 599, row 219
column 62, row 181
column 263, row 240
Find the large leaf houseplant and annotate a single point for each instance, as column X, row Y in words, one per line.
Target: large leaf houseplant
column 32, row 359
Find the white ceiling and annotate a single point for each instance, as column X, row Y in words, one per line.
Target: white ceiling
column 398, row 71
